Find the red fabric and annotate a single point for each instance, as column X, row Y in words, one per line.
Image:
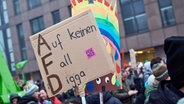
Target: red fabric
column 73, row 2
column 55, row 100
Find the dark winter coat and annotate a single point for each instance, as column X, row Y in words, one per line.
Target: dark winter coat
column 107, row 99
column 149, row 88
column 165, row 94
column 122, row 94
column 28, row 100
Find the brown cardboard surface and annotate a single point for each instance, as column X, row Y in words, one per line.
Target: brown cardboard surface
column 102, row 84
column 71, row 53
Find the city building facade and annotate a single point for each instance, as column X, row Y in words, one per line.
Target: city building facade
column 143, row 24
column 28, row 17
column 6, row 46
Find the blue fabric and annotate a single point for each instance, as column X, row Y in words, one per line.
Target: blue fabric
column 107, row 99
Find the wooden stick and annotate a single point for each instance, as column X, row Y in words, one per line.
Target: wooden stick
column 79, row 90
column 101, row 97
column 83, row 99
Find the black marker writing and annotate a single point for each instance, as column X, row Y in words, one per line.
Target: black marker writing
column 75, row 78
column 81, row 32
column 59, row 42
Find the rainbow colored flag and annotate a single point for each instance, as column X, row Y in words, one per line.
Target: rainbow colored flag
column 107, row 20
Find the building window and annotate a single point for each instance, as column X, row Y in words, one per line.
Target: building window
column 37, row 24
column 13, row 66
column 167, row 12
column 134, row 16
column 20, row 33
column 0, row 21
column 33, row 3
column 56, row 16
column 2, row 45
column 4, row 5
column 9, row 40
column 16, row 4
column 5, row 12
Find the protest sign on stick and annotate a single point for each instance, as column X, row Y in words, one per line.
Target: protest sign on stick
column 71, row 53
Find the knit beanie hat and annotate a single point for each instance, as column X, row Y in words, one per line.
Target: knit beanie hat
column 160, row 71
column 174, row 50
column 155, row 61
column 30, row 88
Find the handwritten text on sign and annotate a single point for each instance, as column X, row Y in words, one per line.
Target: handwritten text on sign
column 70, row 54
column 67, row 60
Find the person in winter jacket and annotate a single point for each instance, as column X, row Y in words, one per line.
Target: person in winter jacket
column 160, row 73
column 169, row 92
column 14, row 98
column 125, row 95
column 147, row 70
column 31, row 94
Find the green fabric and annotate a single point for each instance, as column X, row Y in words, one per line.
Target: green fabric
column 7, row 83
column 147, row 92
column 21, row 64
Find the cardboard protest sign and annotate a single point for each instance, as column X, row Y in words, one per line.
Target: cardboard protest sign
column 106, row 17
column 71, row 53
column 108, row 82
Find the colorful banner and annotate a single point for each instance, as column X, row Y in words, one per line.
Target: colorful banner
column 107, row 20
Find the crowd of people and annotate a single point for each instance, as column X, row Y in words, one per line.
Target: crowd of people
column 158, row 81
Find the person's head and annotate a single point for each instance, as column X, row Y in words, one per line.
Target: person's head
column 19, row 83
column 174, row 50
column 124, row 74
column 125, row 66
column 43, row 94
column 31, row 90
column 14, row 98
column 37, row 82
column 155, row 61
column 147, row 66
column 140, row 67
column 160, row 71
